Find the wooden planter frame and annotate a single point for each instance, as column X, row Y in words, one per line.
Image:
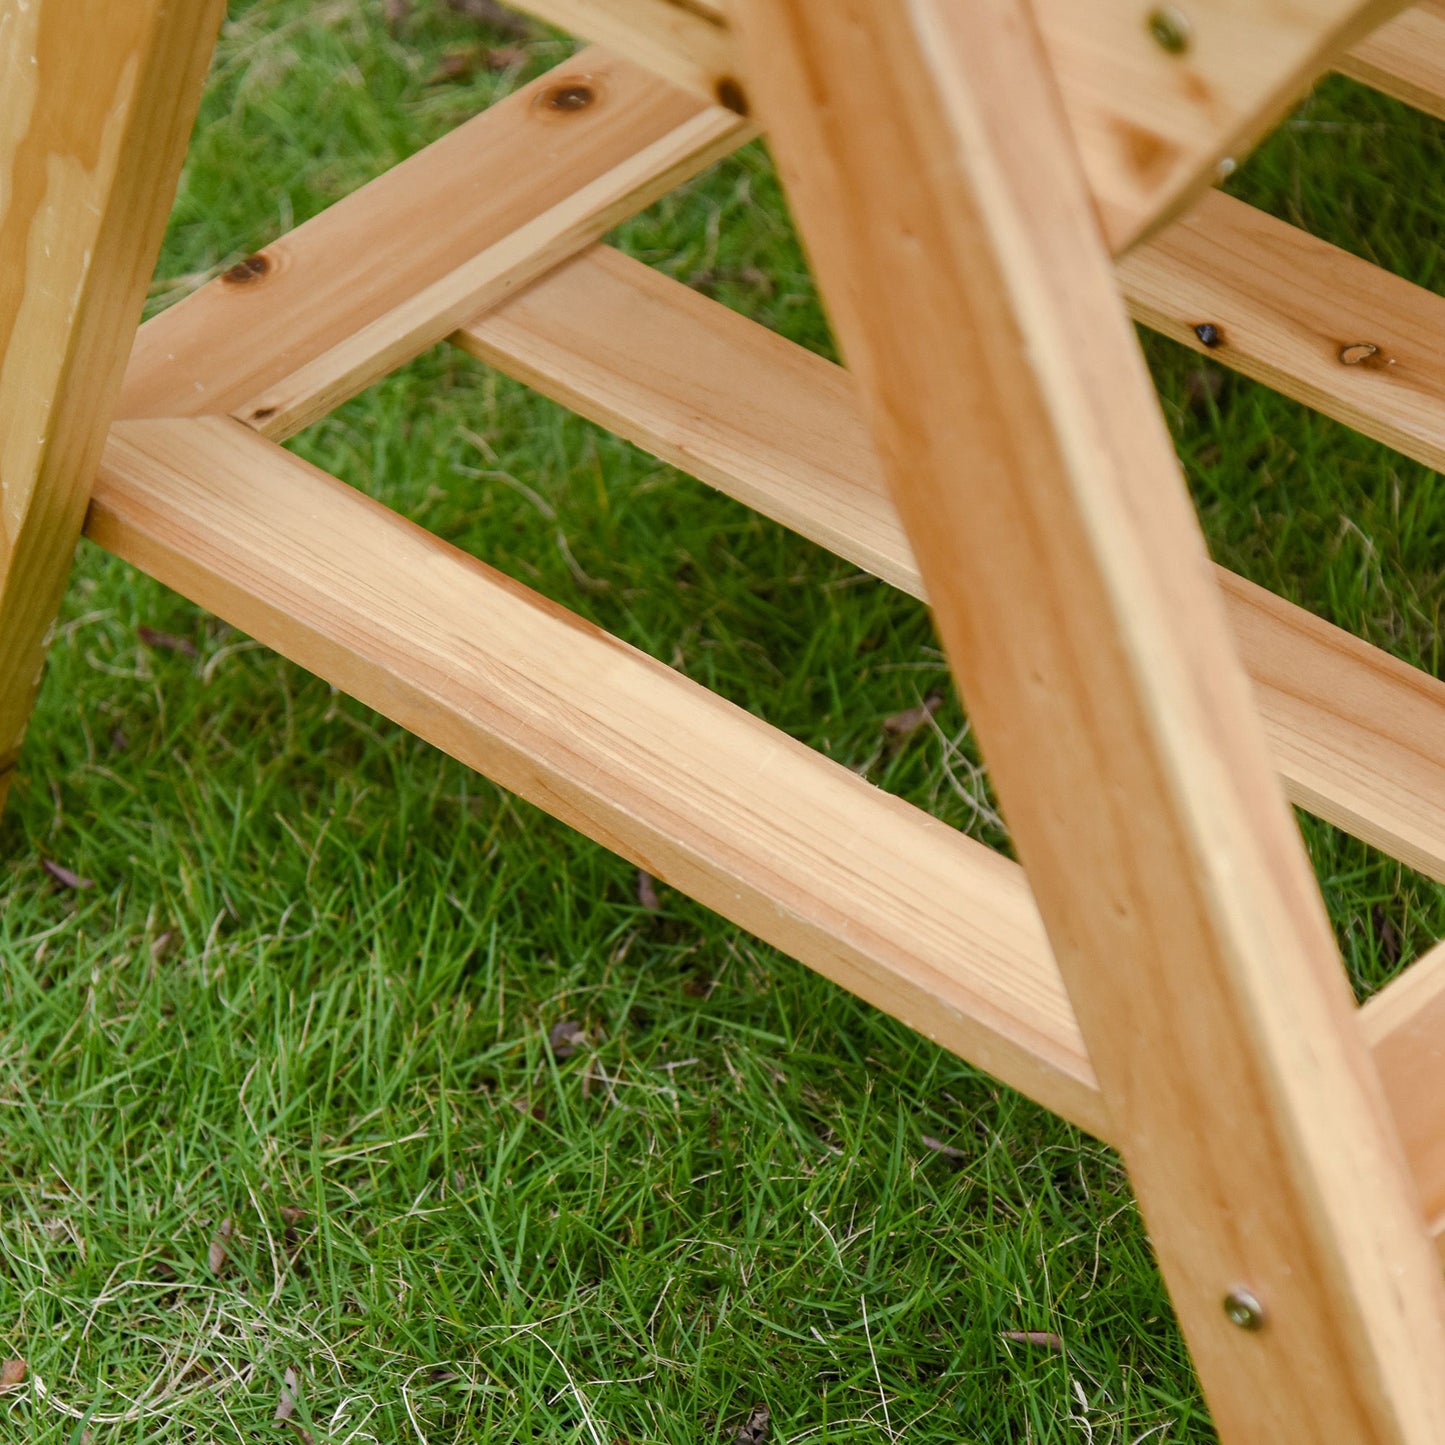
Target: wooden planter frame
column 985, row 186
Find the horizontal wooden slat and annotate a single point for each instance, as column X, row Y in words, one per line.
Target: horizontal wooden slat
column 1358, row 735
column 909, row 914
column 1151, row 126
column 337, row 303
column 1405, row 58
column 1316, row 323
column 916, row 918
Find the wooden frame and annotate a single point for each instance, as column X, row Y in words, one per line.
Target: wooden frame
column 1164, row 917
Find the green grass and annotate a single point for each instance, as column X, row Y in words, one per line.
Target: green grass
column 311, row 987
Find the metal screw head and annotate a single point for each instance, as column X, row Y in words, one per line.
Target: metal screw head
column 1242, row 1309
column 1169, row 27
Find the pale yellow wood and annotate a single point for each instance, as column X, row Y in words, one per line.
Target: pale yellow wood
column 1018, row 430
column 1324, row 327
column 1405, row 58
column 916, row 918
column 337, row 303
column 685, row 41
column 96, row 104
column 911, row 915
column 1405, row 1024
column 1152, row 126
column 1358, row 736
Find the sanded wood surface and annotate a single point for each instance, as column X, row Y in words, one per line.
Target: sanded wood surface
column 1345, row 337
column 1405, row 1025
column 332, row 306
column 920, row 920
column 1152, row 125
column 1405, row 58
column 96, row 105
column 1358, row 736
column 686, row 41
column 916, row 918
column 1022, row 442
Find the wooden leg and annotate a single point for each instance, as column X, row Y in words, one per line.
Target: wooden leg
column 930, row 166
column 97, row 100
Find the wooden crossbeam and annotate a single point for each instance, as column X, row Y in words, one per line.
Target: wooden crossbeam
column 1156, row 98
column 910, row 915
column 930, row 926
column 284, row 337
column 1337, row 333
column 1358, row 736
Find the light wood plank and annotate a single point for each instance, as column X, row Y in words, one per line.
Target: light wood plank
column 1152, row 126
column 1358, row 736
column 1022, row 443
column 920, row 920
column 1405, row 58
column 1405, row 1025
column 96, row 105
column 377, row 278
column 909, row 914
column 1326, row 328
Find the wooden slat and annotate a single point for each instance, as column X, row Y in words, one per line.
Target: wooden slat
column 1151, row 126
column 96, row 104
column 1405, row 1024
column 1301, row 316
column 393, row 268
column 1358, row 736
column 1405, row 58
column 920, row 920
column 911, row 915
column 1019, row 433
column 686, row 41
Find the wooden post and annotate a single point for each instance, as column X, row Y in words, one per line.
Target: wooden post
column 931, row 168
column 97, row 100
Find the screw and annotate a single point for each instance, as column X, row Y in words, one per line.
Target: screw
column 570, row 95
column 1169, row 27
column 1242, row 1309
column 1209, row 334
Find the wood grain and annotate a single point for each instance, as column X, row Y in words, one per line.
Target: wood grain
column 920, row 920
column 1022, row 442
column 913, row 916
column 1152, row 126
column 1339, row 334
column 1405, row 1025
column 337, row 303
column 1358, row 736
column 1405, row 58
column 96, row 105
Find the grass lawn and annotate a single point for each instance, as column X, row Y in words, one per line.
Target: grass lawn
column 276, row 1089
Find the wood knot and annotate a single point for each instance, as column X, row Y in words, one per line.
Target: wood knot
column 569, row 95
column 731, row 94
column 253, row 268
